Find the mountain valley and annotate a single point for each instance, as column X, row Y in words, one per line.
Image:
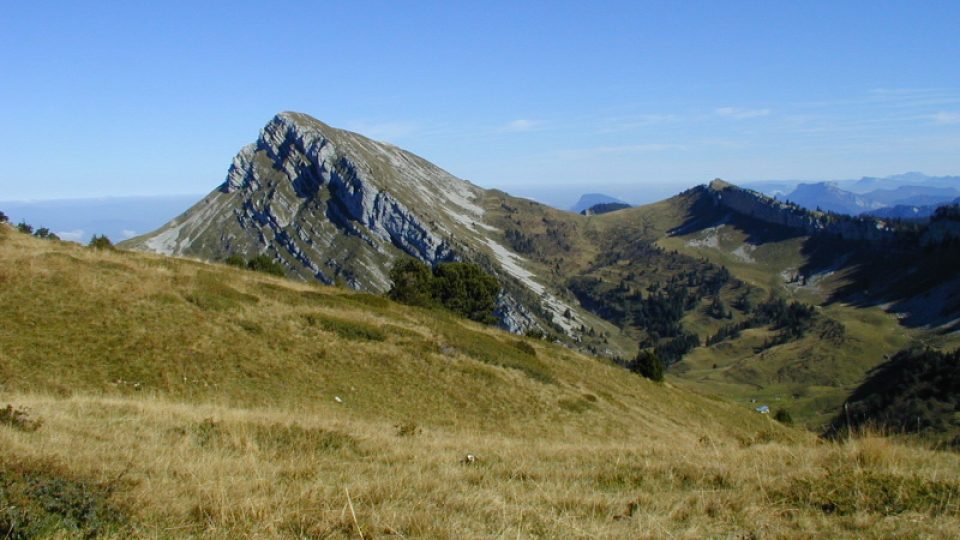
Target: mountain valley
column 158, row 388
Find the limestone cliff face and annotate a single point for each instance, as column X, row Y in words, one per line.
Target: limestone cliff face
column 761, row 207
column 334, row 206
column 311, row 196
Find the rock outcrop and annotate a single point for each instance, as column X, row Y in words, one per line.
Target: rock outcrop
column 769, row 210
column 337, row 207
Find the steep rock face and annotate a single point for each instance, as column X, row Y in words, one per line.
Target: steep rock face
column 334, row 206
column 309, row 195
column 769, row 210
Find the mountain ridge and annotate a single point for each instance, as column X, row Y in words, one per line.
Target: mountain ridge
column 335, row 206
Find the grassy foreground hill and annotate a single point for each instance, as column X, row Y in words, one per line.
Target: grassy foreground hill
column 161, row 397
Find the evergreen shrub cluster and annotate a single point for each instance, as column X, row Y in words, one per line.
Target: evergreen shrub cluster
column 463, row 288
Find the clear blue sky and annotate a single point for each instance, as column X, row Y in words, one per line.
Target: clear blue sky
column 141, row 98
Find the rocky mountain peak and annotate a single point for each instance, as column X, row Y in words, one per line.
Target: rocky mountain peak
column 334, row 206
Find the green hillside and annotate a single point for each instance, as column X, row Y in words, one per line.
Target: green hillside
column 686, row 255
column 161, row 397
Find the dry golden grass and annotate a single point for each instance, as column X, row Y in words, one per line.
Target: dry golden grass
column 180, row 399
column 214, row 471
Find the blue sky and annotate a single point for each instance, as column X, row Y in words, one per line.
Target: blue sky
column 150, row 98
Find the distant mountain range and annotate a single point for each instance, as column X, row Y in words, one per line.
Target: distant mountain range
column 908, row 212
column 778, row 188
column 892, row 196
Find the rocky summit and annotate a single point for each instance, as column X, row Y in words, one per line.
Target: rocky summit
column 335, row 206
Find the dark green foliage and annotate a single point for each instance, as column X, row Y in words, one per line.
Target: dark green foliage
column 783, row 416
column 235, row 260
column 520, row 242
column 660, row 310
column 38, row 501
column 462, row 288
column 647, row 364
column 4, row 218
column 793, row 320
column 949, row 212
column 916, row 390
column 717, row 309
column 743, row 302
column 535, row 333
column 412, row 283
column 25, row 228
column 100, row 242
column 465, row 289
column 833, row 331
column 263, row 263
column 260, row 263
column 728, row 331
column 672, row 351
column 46, row 234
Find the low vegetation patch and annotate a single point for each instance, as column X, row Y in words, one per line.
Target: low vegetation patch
column 347, row 329
column 19, row 418
column 40, row 500
column 298, row 440
column 210, row 293
column 490, row 350
column 260, row 263
column 852, row 491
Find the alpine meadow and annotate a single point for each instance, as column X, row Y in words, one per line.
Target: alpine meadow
column 627, row 323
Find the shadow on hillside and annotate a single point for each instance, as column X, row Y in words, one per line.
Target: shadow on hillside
column 920, row 285
column 703, row 214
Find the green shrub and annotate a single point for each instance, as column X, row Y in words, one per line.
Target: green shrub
column 263, row 263
column 783, row 416
column 4, row 218
column 45, row 234
column 100, row 242
column 25, row 228
column 40, row 501
column 917, row 390
column 235, row 260
column 412, row 283
column 648, row 364
column 463, row 288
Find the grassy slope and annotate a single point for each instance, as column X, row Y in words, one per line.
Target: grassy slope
column 807, row 377
column 194, row 399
